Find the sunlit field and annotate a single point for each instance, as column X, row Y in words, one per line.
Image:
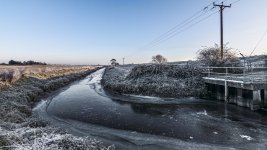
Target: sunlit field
column 11, row 74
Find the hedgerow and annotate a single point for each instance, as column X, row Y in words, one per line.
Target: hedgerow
column 156, row 80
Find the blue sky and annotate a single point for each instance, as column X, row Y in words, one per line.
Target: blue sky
column 94, row 31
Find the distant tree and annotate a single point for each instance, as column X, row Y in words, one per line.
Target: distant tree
column 13, row 62
column 211, row 56
column 159, row 59
column 30, row 62
column 114, row 62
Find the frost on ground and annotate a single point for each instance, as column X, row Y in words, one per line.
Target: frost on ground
column 203, row 113
column 46, row 139
column 20, row 131
column 156, row 80
column 246, row 137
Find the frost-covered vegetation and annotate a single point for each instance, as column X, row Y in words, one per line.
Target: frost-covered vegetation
column 212, row 57
column 18, row 130
column 48, row 138
column 155, row 80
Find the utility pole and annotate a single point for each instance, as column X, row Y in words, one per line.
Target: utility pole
column 221, row 12
column 123, row 61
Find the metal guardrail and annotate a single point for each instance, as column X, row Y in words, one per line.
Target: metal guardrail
column 251, row 75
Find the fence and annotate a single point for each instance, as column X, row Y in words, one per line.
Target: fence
column 252, row 75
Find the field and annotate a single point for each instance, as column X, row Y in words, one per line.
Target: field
column 10, row 74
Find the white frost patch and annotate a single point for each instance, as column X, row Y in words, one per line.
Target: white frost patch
column 39, row 105
column 44, row 138
column 96, row 77
column 218, row 79
column 246, row 137
column 140, row 96
column 203, row 113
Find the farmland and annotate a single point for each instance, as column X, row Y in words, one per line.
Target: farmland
column 10, row 74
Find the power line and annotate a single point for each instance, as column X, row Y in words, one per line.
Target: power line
column 171, row 31
column 186, row 22
column 258, row 43
column 235, row 2
column 188, row 27
column 181, row 27
column 183, row 23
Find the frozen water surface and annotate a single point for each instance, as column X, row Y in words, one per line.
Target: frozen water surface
column 137, row 122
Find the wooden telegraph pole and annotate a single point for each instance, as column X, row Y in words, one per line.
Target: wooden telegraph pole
column 221, row 12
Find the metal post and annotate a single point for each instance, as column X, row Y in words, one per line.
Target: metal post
column 225, row 91
column 208, row 71
column 252, row 76
column 244, row 72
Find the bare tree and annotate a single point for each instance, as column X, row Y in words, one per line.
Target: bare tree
column 114, row 62
column 159, row 59
column 211, row 56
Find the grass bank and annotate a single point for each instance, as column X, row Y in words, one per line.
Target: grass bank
column 156, row 80
column 19, row 131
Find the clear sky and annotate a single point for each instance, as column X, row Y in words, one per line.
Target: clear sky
column 95, row 31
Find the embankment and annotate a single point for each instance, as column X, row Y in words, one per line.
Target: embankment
column 19, row 131
column 156, row 80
